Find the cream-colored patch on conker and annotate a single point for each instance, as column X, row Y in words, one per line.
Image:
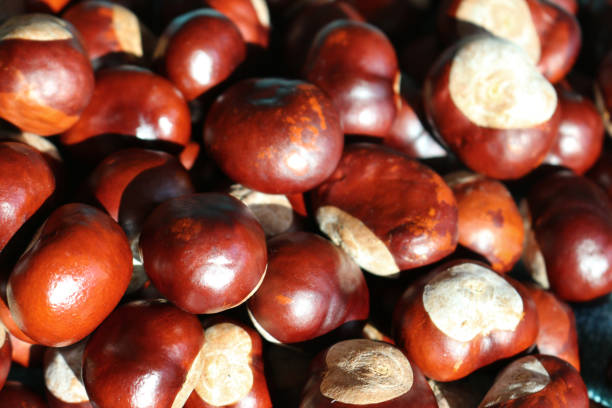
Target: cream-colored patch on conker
column 603, row 110
column 495, row 85
column 372, row 333
column 357, row 240
column 468, row 300
column 35, row 27
column 267, row 336
column 42, row 144
column 127, row 30
column 273, row 211
column 532, row 254
column 192, row 378
column 139, row 275
column 3, row 336
column 63, row 374
column 521, row 378
column 261, row 9
column 365, row 372
column 508, row 19
column 227, row 376
column 461, row 177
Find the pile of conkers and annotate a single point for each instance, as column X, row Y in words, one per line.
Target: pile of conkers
column 316, row 203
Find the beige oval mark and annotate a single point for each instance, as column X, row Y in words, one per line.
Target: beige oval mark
column 495, row 85
column 127, row 30
column 273, row 211
column 468, row 300
column 63, row 374
column 365, row 372
column 521, row 378
column 227, row 376
column 35, row 27
column 352, row 235
column 263, row 14
column 508, row 19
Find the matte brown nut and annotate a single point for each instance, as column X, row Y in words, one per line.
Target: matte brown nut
column 407, row 134
column 490, row 223
column 275, row 136
column 463, row 316
column 537, row 381
column 581, row 133
column 5, row 355
column 46, row 80
column 199, row 50
column 204, row 252
column 233, row 372
column 108, row 28
column 14, row 394
column 146, row 354
column 569, row 248
column 312, row 287
column 306, row 19
column 548, row 33
column 26, row 181
column 134, row 102
column 485, row 98
column 356, row 65
column 71, row 277
column 557, row 335
column 388, row 212
column 365, row 373
column 63, row 378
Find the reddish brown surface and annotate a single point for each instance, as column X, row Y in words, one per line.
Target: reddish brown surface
column 140, row 355
column 5, row 357
column 408, row 135
column 484, row 150
column 16, row 395
column 26, row 354
column 601, row 173
column 204, row 252
column 557, row 335
column 72, row 276
column 130, row 183
column 565, row 390
column 306, row 20
column 7, row 319
column 189, row 155
column 571, row 6
column 407, row 205
column 32, row 72
column 443, row 358
column 133, row 102
column 356, row 65
column 57, row 403
column 311, row 288
column 560, row 38
column 26, row 181
column 258, row 396
column 419, row 395
column 201, row 49
column 243, row 15
column 275, row 136
column 93, row 19
column 572, row 220
column 489, row 221
column 581, row 133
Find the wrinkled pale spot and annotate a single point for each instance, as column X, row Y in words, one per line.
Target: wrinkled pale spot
column 495, row 85
column 508, row 19
column 469, row 300
column 261, row 9
column 63, row 374
column 35, row 27
column 273, row 211
column 127, row 30
column 521, row 378
column 227, row 376
column 352, row 235
column 261, row 330
column 365, row 372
